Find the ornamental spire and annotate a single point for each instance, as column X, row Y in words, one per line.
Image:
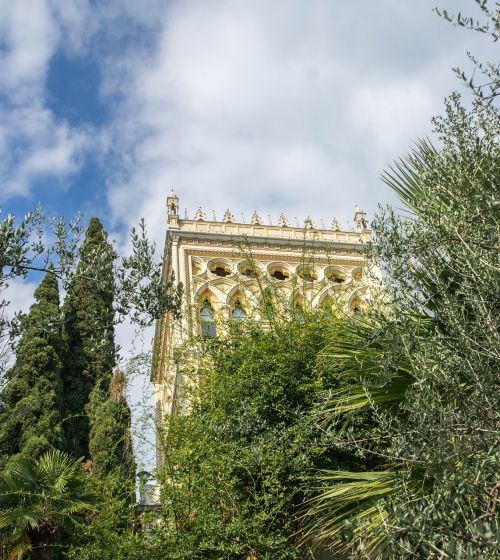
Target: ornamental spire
column 200, row 215
column 256, row 220
column 360, row 219
column 228, row 217
column 173, row 210
column 283, row 221
column 308, row 223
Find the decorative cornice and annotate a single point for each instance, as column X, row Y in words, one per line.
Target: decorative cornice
column 333, row 242
column 278, row 257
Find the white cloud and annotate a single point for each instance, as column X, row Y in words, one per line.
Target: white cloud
column 35, row 145
column 20, row 295
column 33, row 142
column 276, row 106
column 29, row 36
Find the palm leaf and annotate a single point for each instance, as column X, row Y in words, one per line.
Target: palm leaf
column 48, row 492
column 350, row 501
column 357, row 354
column 404, row 176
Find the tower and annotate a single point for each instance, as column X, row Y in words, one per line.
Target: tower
column 222, row 265
column 172, row 210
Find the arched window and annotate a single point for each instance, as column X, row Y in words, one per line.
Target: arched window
column 279, row 275
column 220, row 271
column 327, row 304
column 307, row 274
column 335, row 275
column 207, row 319
column 250, row 272
column 357, row 307
column 238, row 314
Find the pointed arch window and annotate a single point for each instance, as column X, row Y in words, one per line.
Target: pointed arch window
column 298, row 309
column 238, row 313
column 207, row 319
column 327, row 304
column 357, row 307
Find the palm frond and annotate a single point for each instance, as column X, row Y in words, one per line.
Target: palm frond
column 358, row 397
column 350, row 503
column 47, row 492
column 404, row 176
column 358, row 353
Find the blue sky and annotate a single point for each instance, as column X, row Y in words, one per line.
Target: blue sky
column 283, row 106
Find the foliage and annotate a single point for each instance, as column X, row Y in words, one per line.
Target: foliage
column 21, row 249
column 235, row 466
column 39, row 243
column 111, row 530
column 439, row 433
column 40, row 504
column 110, row 436
column 30, row 406
column 487, row 92
column 88, row 331
column 142, row 294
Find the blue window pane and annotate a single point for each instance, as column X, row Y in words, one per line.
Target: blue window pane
column 207, row 318
column 238, row 312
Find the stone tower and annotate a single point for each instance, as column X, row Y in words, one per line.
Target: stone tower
column 222, row 265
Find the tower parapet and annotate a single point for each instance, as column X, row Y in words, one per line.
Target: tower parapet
column 281, row 228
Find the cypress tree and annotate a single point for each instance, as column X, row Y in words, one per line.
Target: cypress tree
column 30, row 418
column 88, row 336
column 110, row 437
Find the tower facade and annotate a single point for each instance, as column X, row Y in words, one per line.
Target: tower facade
column 223, row 266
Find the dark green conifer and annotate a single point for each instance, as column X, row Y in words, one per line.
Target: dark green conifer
column 30, row 408
column 88, row 336
column 110, row 437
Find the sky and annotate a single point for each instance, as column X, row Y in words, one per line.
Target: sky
column 271, row 105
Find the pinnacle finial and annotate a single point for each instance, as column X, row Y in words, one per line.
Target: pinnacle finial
column 228, row 217
column 360, row 219
column 283, row 221
column 335, row 224
column 200, row 215
column 173, row 205
column 308, row 223
column 256, row 220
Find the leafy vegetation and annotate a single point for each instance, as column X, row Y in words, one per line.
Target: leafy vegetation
column 62, row 394
column 30, row 408
column 426, row 408
column 236, row 466
column 40, row 504
column 305, row 436
column 88, row 337
column 110, row 436
column 432, row 390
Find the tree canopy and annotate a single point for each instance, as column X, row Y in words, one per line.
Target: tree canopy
column 30, row 406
